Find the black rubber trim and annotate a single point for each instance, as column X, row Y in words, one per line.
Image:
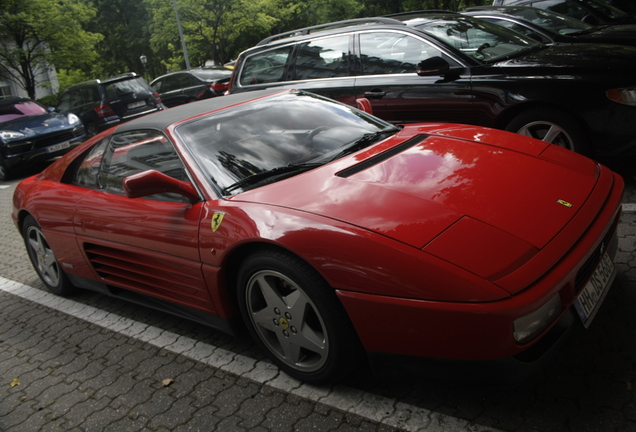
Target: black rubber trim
column 381, row 157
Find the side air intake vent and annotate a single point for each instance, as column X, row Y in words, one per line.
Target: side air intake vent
column 147, row 274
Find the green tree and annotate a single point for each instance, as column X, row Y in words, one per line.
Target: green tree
column 125, row 25
column 37, row 34
column 213, row 29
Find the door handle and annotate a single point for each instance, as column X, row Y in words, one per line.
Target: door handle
column 375, row 94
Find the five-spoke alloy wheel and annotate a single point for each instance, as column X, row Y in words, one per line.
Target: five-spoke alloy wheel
column 551, row 126
column 295, row 316
column 43, row 259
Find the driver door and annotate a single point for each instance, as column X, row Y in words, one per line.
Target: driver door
column 397, row 94
column 148, row 245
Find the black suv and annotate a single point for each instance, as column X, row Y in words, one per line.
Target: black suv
column 31, row 133
column 446, row 67
column 101, row 104
column 183, row 87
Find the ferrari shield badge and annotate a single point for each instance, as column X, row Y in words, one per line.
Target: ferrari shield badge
column 564, row 203
column 217, row 218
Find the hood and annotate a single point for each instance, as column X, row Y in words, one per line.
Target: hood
column 613, row 34
column 436, row 192
column 37, row 124
column 578, row 58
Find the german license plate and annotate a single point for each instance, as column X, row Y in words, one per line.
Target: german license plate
column 589, row 300
column 136, row 104
column 58, row 147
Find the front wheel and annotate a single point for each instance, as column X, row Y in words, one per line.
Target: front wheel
column 4, row 171
column 551, row 126
column 44, row 260
column 91, row 130
column 296, row 318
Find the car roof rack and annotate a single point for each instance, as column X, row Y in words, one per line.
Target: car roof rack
column 403, row 16
column 331, row 25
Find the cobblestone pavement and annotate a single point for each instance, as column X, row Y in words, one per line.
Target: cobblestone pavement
column 92, row 363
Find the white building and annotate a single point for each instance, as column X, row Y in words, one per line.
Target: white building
column 46, row 85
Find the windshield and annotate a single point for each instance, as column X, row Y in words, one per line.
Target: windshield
column 294, row 129
column 556, row 23
column 605, row 8
column 479, row 39
column 12, row 111
column 211, row 74
column 128, row 86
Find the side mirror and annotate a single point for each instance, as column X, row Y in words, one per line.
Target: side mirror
column 432, row 66
column 153, row 182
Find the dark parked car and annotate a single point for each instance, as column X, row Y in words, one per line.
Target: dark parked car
column 455, row 68
column 183, row 87
column 549, row 27
column 101, row 104
column 595, row 12
column 30, row 133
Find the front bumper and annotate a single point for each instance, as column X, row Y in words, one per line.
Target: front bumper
column 481, row 331
column 31, row 157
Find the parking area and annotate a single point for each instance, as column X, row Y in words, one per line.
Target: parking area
column 94, row 363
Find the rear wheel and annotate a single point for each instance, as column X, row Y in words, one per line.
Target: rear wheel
column 296, row 318
column 44, row 260
column 552, row 126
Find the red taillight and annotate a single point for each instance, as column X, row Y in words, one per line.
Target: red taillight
column 104, row 110
column 220, row 86
column 156, row 95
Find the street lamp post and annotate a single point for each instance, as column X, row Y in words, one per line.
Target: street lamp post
column 183, row 44
column 144, row 60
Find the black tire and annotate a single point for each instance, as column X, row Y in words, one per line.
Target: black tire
column 5, row 174
column 296, row 318
column 553, row 126
column 91, row 130
column 44, row 261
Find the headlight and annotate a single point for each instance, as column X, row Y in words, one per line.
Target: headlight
column 73, row 119
column 11, row 135
column 530, row 325
column 625, row 96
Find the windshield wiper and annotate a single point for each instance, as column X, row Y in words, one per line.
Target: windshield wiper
column 365, row 141
column 259, row 177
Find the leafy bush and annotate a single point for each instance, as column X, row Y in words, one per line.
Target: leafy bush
column 49, row 101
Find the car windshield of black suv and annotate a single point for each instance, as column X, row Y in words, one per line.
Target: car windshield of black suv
column 267, row 140
column 561, row 24
column 606, row 9
column 482, row 40
column 128, row 86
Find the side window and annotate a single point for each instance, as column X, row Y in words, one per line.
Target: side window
column 265, row 67
column 183, row 81
column 65, row 102
column 324, row 58
column 190, row 81
column 158, row 85
column 88, row 172
column 87, row 95
column 392, row 53
column 117, row 157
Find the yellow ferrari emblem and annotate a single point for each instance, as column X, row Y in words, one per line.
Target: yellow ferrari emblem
column 216, row 220
column 564, row 203
column 284, row 323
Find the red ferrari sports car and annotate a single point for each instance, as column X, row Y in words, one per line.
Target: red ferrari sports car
column 329, row 233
